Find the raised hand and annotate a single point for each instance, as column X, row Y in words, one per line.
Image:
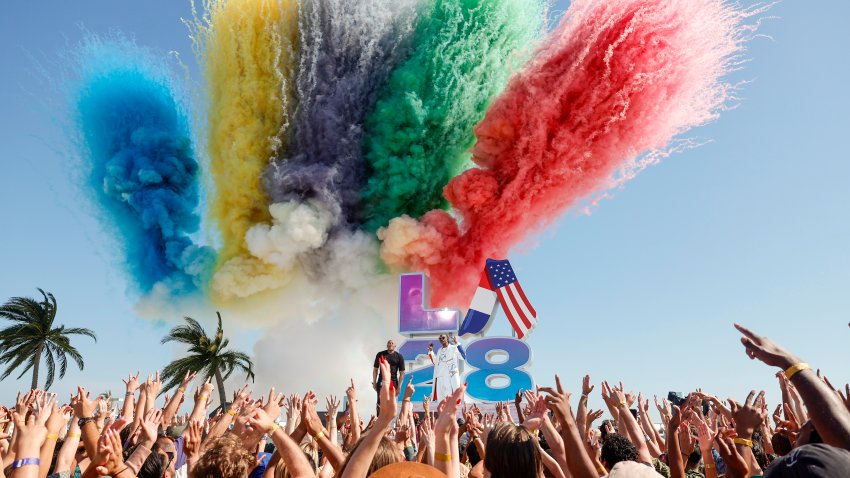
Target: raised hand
column 274, row 403
column 83, row 407
column 592, row 416
column 559, row 401
column 310, row 416
column 187, row 379
column 409, row 389
column 109, row 460
column 132, row 382
column 192, row 443
column 332, row 406
column 764, row 349
column 534, row 420
column 155, row 386
column 150, row 426
column 586, row 387
column 261, row 420
column 351, row 392
column 747, row 417
column 736, row 465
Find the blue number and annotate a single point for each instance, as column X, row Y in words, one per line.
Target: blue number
column 479, row 355
column 423, row 377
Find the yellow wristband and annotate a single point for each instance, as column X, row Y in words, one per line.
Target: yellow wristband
column 319, row 435
column 405, row 400
column 743, row 441
column 71, row 435
column 602, row 470
column 622, row 404
column 709, row 466
column 52, row 436
column 442, row 457
column 181, row 389
column 231, row 412
column 275, row 428
column 794, row 369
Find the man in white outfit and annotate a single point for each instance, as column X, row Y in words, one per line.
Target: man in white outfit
column 447, row 368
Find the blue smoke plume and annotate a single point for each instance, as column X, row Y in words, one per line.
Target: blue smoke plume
column 135, row 139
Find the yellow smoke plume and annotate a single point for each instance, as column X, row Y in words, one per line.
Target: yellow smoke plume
column 247, row 49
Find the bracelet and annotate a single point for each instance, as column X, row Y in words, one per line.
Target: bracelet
column 275, row 428
column 24, row 462
column 181, row 389
column 708, row 466
column 442, row 457
column 622, row 404
column 202, row 396
column 72, row 435
column 794, row 369
column 405, row 399
column 52, row 436
column 231, row 412
column 743, row 441
column 129, row 393
column 319, row 435
column 122, row 471
column 602, row 470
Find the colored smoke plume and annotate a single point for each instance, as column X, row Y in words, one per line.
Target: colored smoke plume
column 419, row 134
column 247, row 48
column 616, row 79
column 346, row 50
column 134, row 133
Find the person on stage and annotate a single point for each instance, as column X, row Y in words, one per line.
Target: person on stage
column 447, row 368
column 396, row 362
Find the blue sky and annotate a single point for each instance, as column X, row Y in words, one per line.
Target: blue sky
column 753, row 227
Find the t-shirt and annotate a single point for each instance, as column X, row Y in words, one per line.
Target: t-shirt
column 263, row 459
column 396, row 362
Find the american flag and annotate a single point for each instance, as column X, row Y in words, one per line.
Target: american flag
column 521, row 314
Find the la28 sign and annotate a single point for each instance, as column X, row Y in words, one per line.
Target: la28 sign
column 500, row 362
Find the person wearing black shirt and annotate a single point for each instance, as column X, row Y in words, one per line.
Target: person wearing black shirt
column 396, row 362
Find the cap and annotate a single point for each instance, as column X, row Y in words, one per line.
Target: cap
column 816, row 461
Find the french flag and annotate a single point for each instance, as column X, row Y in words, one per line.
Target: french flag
column 481, row 309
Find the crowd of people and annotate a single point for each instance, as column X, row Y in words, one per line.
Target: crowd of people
column 808, row 434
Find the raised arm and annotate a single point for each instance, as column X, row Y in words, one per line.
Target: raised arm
column 618, row 400
column 170, row 410
column 291, row 454
column 131, row 385
column 351, row 395
column 579, row 463
column 326, row 442
column 581, row 411
column 826, row 411
column 359, row 461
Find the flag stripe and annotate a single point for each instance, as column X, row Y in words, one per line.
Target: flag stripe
column 522, row 306
column 483, row 301
column 484, row 283
column 531, row 310
column 510, row 291
column 511, row 313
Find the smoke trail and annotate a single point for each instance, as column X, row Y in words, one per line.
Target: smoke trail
column 421, row 129
column 347, row 50
column 615, row 79
column 134, row 134
column 247, row 48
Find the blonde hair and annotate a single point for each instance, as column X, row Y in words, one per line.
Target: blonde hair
column 225, row 457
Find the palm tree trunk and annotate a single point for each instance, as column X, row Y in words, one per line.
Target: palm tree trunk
column 35, row 366
column 219, row 383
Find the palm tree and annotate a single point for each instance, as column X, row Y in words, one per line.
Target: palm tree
column 32, row 334
column 206, row 355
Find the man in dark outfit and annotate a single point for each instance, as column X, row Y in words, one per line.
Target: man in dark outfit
column 396, row 362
